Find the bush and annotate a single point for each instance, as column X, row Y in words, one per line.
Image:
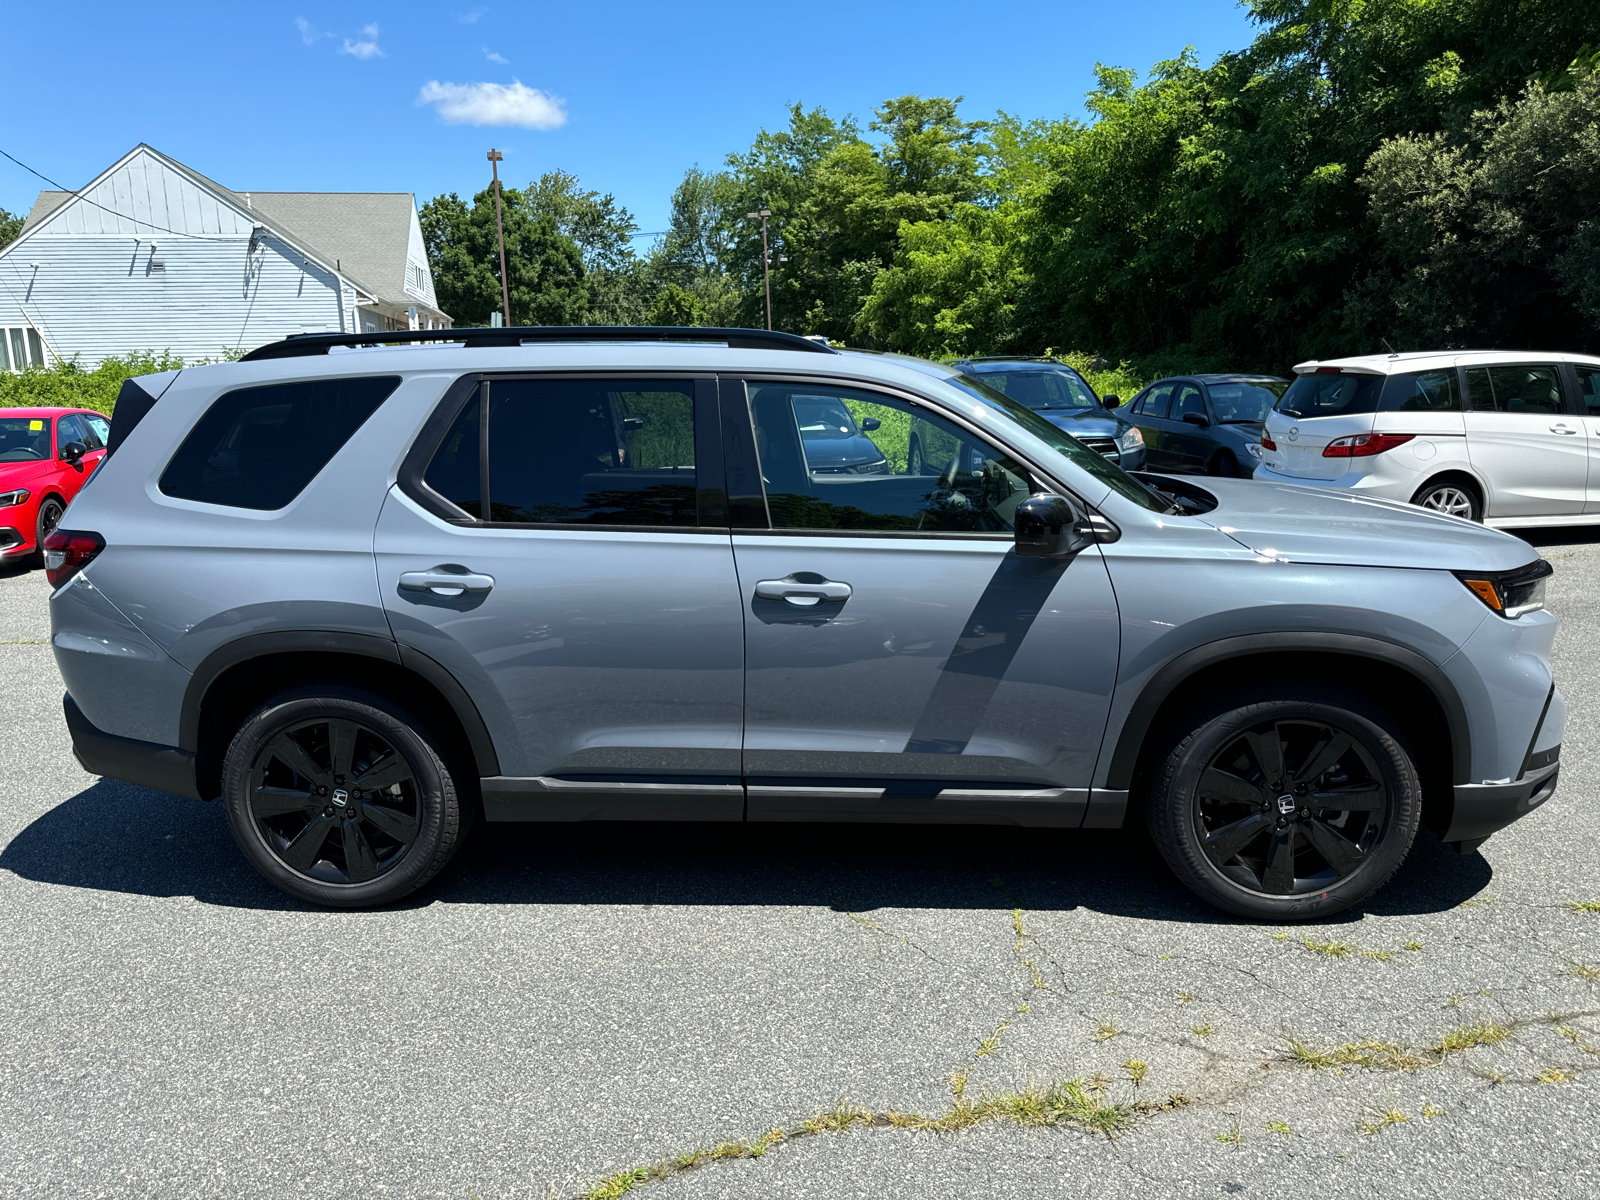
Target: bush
column 67, row 385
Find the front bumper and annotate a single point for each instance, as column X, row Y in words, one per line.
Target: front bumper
column 10, row 540
column 159, row 768
column 1485, row 808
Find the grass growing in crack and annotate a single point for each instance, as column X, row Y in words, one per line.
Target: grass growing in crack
column 1469, row 1037
column 1233, row 1136
column 1277, row 1127
column 1576, row 1038
column 1137, row 1069
column 1105, row 1031
column 1554, row 1074
column 1584, row 906
column 1393, row 1057
column 1414, row 946
column 1586, row 973
column 1431, row 1110
column 1203, row 1031
column 1186, row 997
column 1381, row 1119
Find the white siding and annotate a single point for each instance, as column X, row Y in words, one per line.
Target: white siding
column 417, row 255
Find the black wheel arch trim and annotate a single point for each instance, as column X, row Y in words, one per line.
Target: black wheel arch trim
column 263, row 645
column 1136, row 726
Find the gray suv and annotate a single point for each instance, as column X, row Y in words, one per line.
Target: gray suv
column 367, row 595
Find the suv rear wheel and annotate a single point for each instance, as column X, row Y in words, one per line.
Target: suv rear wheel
column 1288, row 805
column 341, row 797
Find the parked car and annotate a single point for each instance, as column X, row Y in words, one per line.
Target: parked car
column 364, row 597
column 835, row 444
column 1064, row 398
column 46, row 454
column 1509, row 438
column 1205, row 424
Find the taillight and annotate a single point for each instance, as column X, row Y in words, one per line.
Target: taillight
column 1267, row 443
column 68, row 551
column 1364, row 445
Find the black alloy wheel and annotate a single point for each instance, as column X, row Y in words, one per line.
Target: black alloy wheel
column 51, row 511
column 342, row 797
column 335, row 801
column 1290, row 802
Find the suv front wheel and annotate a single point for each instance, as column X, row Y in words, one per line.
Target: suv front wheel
column 340, row 797
column 1286, row 805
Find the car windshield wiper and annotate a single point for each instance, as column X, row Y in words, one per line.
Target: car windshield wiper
column 1241, row 421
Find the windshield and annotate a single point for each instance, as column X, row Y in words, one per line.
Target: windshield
column 1241, row 403
column 823, row 417
column 1331, row 395
column 24, row 439
column 1039, row 386
column 1068, row 446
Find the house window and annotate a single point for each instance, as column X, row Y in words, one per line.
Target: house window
column 415, row 281
column 20, row 348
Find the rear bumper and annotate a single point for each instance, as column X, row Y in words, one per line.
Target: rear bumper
column 1485, row 808
column 159, row 768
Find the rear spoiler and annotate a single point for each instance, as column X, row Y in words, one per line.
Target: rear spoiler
column 133, row 402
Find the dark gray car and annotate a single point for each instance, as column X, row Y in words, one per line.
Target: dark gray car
column 1205, row 424
column 1064, row 398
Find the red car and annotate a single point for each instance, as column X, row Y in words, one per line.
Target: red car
column 46, row 454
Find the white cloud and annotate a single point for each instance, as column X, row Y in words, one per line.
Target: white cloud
column 364, row 47
column 473, row 15
column 493, row 104
column 495, row 56
column 309, row 33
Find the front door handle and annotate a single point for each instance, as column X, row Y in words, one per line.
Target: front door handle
column 1562, row 429
column 446, row 580
column 803, row 589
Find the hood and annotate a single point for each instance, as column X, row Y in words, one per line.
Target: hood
column 1314, row 525
column 1084, row 422
column 17, row 474
column 841, row 451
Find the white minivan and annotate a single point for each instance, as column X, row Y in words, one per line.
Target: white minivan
column 1509, row 438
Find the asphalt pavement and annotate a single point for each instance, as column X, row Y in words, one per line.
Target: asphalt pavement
column 844, row 1010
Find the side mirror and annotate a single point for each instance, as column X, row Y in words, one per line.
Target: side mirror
column 73, row 451
column 1050, row 527
column 1111, row 401
column 633, row 424
column 868, row 424
column 1199, row 419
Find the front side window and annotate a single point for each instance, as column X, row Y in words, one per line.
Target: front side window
column 573, row 452
column 1331, row 394
column 259, row 447
column 71, row 429
column 893, row 468
column 24, row 439
column 1426, row 391
column 1515, row 389
column 1189, row 402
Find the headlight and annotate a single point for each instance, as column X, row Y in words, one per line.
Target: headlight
column 20, row 496
column 1131, row 439
column 1512, row 594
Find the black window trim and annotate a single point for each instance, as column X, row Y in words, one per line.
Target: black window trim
column 1566, row 375
column 745, row 440
column 710, row 498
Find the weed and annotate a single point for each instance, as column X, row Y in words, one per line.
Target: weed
column 1431, row 1110
column 1203, row 1031
column 1038, row 979
column 1185, row 997
column 1576, row 1038
column 1554, row 1074
column 1163, row 958
column 1378, row 955
column 1280, row 937
column 1469, row 1037
column 1105, row 1031
column 1024, row 1007
column 1578, row 971
column 1584, row 906
column 24, row 642
column 991, row 1043
column 1277, row 1127
column 1381, row 1119
column 1233, row 1137
column 1136, row 1070
column 1365, row 1053
column 1329, row 949
column 958, row 1084
column 1414, row 946
column 1454, row 1001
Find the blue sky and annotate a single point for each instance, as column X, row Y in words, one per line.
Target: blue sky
column 394, row 97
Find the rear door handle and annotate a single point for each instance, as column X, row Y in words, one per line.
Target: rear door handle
column 446, row 581
column 802, row 589
column 1562, row 429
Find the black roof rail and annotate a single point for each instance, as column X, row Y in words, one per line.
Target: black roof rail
column 303, row 345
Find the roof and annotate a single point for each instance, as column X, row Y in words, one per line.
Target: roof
column 1232, row 377
column 37, row 411
column 1426, row 360
column 46, row 204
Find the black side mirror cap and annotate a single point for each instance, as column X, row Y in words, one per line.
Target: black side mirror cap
column 73, row 451
column 1111, row 401
column 868, row 424
column 1199, row 419
column 1050, row 527
column 633, row 423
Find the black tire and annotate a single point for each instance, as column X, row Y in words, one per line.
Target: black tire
column 51, row 510
column 282, row 786
column 914, row 463
column 1451, row 495
column 1217, row 815
column 1224, row 465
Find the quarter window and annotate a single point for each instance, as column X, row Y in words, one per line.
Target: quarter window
column 259, row 447
column 883, row 466
column 1426, row 391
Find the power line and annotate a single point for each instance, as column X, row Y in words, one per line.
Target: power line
column 200, row 237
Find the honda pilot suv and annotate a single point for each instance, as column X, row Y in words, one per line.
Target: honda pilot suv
column 364, row 596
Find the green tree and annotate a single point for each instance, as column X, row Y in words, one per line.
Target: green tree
column 674, row 305
column 10, row 227
column 544, row 266
column 603, row 232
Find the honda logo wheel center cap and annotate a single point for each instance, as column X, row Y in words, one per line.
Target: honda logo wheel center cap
column 342, row 797
column 1285, row 804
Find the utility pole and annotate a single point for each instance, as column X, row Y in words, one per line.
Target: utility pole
column 495, row 158
column 766, row 257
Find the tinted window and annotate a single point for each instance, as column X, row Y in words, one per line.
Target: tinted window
column 259, row 447
column 1589, row 386
column 922, row 474
column 454, row 472
column 1331, row 395
column 1157, row 401
column 24, row 439
column 1189, row 401
column 1042, row 388
column 1426, row 391
column 70, row 428
column 591, row 452
column 1244, row 403
column 1517, row 389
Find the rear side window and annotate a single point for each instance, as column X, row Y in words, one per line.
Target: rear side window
column 1589, row 387
column 1157, row 400
column 573, row 452
column 259, row 447
column 1331, row 395
column 1515, row 389
column 1426, row 391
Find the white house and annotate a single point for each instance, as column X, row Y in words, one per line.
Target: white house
column 153, row 256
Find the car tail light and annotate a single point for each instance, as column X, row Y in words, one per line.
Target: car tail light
column 1512, row 594
column 68, row 551
column 1267, row 443
column 1364, row 445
